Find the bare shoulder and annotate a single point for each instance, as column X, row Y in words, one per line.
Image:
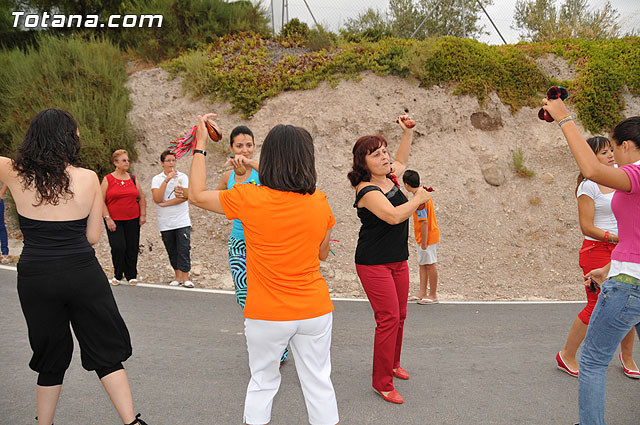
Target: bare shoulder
column 83, row 177
column 84, row 173
column 6, row 165
column 224, row 179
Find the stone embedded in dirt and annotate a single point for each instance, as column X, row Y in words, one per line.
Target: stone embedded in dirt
column 484, row 121
column 492, row 174
column 547, row 178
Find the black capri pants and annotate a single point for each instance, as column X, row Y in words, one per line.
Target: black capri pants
column 177, row 242
column 71, row 290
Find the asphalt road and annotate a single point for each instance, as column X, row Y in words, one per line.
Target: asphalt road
column 469, row 363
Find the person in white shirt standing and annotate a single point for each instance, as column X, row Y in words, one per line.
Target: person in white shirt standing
column 173, row 218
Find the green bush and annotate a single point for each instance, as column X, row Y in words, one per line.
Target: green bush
column 84, row 77
column 604, row 68
column 477, row 69
column 319, row 39
column 188, row 24
column 249, row 68
column 295, row 29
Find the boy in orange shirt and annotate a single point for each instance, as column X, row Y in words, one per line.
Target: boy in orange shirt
column 427, row 237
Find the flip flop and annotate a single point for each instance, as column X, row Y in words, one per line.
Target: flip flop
column 425, row 301
column 414, row 298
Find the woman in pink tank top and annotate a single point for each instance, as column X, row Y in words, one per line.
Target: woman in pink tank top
column 618, row 308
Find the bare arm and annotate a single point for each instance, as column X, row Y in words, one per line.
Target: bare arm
column 224, row 180
column 95, row 214
column 3, row 190
column 590, row 167
column 423, row 232
column 379, row 205
column 170, row 202
column 142, row 203
column 586, row 214
column 402, row 156
column 111, row 225
column 325, row 246
column 198, row 193
column 253, row 164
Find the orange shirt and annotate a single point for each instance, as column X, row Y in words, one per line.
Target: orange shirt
column 433, row 231
column 283, row 232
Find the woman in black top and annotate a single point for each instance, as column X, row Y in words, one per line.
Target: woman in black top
column 382, row 250
column 60, row 281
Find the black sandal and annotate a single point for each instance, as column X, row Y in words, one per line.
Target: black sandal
column 137, row 421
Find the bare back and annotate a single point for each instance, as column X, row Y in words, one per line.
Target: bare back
column 85, row 201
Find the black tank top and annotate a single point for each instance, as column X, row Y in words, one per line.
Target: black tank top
column 380, row 242
column 47, row 240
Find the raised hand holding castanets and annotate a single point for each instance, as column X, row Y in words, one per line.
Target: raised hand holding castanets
column 555, row 95
column 204, row 124
column 188, row 143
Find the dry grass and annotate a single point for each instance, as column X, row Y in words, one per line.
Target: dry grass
column 535, row 200
column 518, row 163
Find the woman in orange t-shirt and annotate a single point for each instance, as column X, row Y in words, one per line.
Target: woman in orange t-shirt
column 287, row 224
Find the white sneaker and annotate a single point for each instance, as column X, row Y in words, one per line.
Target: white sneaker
column 133, row 281
column 174, row 283
column 114, row 281
column 188, row 284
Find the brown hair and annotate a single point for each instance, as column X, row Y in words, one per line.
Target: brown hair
column 363, row 147
column 287, row 160
column 596, row 143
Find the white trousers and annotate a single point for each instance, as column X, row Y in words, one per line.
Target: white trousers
column 310, row 342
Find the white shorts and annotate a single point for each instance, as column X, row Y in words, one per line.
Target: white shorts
column 429, row 255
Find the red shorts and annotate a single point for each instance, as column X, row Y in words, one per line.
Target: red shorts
column 593, row 255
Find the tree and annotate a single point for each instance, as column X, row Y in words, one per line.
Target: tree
column 459, row 18
column 540, row 20
column 371, row 24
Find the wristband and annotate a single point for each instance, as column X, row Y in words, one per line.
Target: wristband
column 195, row 151
column 606, row 237
column 564, row 120
column 106, row 217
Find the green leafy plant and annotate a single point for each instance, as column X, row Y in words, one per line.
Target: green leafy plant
column 517, row 157
column 249, row 68
column 83, row 77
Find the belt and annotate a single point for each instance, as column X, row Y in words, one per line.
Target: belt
column 625, row 278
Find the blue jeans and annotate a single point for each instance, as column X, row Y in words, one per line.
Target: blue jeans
column 4, row 241
column 617, row 311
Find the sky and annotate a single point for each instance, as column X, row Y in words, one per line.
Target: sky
column 333, row 13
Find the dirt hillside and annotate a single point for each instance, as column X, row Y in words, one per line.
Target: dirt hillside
column 515, row 241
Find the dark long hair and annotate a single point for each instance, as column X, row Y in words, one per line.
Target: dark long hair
column 287, row 160
column 596, row 143
column 628, row 129
column 50, row 145
column 363, row 147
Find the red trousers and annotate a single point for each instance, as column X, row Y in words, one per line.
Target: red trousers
column 387, row 287
column 593, row 255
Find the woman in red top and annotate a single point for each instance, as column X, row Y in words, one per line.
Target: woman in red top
column 124, row 212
